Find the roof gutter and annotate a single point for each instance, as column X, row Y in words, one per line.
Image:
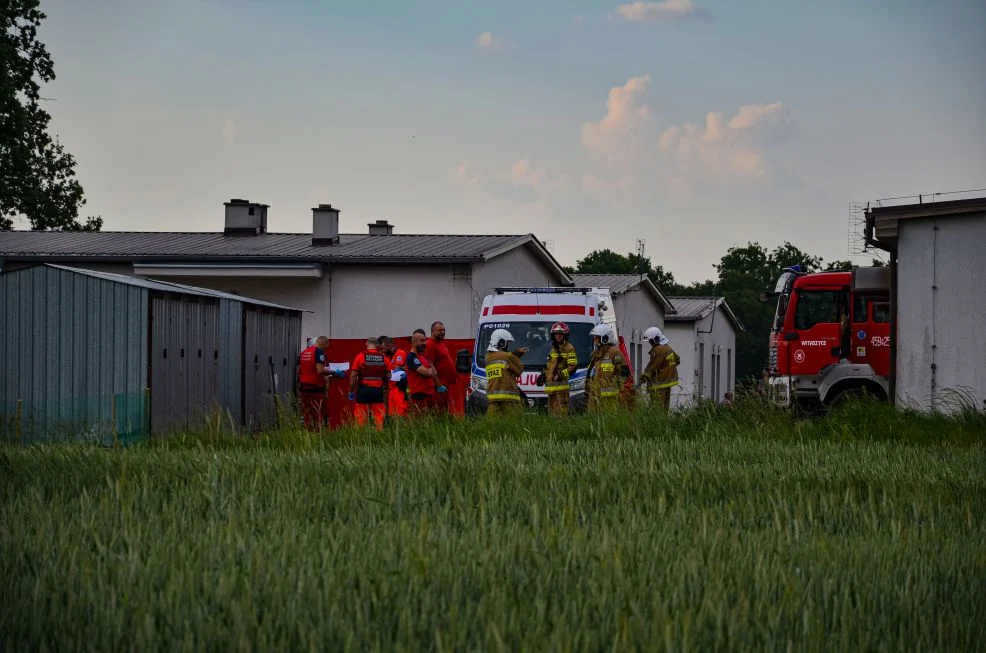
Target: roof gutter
column 284, row 270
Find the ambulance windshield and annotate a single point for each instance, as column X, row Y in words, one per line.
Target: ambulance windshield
column 536, row 337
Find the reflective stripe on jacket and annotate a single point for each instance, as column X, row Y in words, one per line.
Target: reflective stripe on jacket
column 606, row 366
column 371, row 368
column 502, row 370
column 662, row 369
column 560, row 359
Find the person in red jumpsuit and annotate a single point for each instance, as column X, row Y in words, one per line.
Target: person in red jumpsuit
column 397, row 396
column 438, row 354
column 421, row 378
column 368, row 383
column 312, row 383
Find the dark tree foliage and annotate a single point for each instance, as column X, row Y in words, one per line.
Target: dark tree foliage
column 606, row 261
column 37, row 176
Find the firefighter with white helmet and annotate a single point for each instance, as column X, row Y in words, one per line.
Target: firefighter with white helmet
column 661, row 373
column 562, row 363
column 608, row 369
column 503, row 368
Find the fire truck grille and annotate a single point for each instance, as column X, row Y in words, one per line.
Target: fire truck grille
column 772, row 360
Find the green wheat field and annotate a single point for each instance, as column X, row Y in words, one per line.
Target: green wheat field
column 719, row 530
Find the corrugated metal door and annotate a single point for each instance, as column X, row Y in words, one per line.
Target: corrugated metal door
column 184, row 330
column 256, row 372
column 270, row 362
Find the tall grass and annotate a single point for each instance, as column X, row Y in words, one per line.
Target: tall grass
column 717, row 530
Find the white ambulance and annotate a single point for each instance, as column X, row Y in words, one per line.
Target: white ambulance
column 528, row 313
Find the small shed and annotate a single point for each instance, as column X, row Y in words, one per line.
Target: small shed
column 937, row 300
column 703, row 333
column 109, row 357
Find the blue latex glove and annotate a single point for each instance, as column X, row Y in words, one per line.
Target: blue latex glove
column 352, row 396
column 441, row 388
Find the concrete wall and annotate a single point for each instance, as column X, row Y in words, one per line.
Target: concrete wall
column 940, row 333
column 682, row 337
column 698, row 379
column 370, row 301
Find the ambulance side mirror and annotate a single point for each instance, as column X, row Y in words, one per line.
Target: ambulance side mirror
column 462, row 361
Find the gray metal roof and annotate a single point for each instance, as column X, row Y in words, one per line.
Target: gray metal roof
column 691, row 309
column 352, row 248
column 165, row 286
column 620, row 283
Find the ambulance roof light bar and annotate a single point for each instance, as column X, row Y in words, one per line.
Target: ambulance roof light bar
column 543, row 291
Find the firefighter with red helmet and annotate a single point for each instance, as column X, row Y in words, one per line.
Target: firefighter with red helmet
column 562, row 363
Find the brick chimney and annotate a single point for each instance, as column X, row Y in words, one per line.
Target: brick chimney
column 245, row 218
column 381, row 228
column 325, row 225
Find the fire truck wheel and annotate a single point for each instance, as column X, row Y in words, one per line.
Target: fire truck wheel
column 847, row 396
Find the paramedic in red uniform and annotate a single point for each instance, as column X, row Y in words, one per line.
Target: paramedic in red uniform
column 368, row 381
column 421, row 377
column 312, row 373
column 397, row 358
column 438, row 353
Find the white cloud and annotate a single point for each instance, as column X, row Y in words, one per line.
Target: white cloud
column 725, row 150
column 228, row 132
column 522, row 183
column 636, row 156
column 654, row 12
column 624, row 114
column 487, row 42
column 465, row 175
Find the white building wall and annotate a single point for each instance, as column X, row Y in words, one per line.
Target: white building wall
column 637, row 310
column 941, row 333
column 374, row 300
column 682, row 340
column 707, row 349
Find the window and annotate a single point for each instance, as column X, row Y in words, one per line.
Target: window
column 816, row 307
column 859, row 305
column 881, row 313
column 251, row 211
column 535, row 336
column 700, row 390
column 729, row 369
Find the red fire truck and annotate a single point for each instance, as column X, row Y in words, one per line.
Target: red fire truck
column 830, row 339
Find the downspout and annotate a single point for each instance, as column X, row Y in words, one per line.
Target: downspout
column 328, row 270
column 893, row 327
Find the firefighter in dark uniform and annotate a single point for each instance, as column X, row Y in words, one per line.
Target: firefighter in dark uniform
column 608, row 370
column 562, row 363
column 661, row 373
column 503, row 368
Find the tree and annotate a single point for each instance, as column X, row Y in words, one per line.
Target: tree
column 37, row 175
column 606, row 261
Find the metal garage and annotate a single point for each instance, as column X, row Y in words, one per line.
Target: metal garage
column 106, row 357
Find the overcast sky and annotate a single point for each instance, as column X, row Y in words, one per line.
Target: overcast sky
column 693, row 124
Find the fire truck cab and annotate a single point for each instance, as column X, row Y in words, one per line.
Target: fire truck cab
column 830, row 339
